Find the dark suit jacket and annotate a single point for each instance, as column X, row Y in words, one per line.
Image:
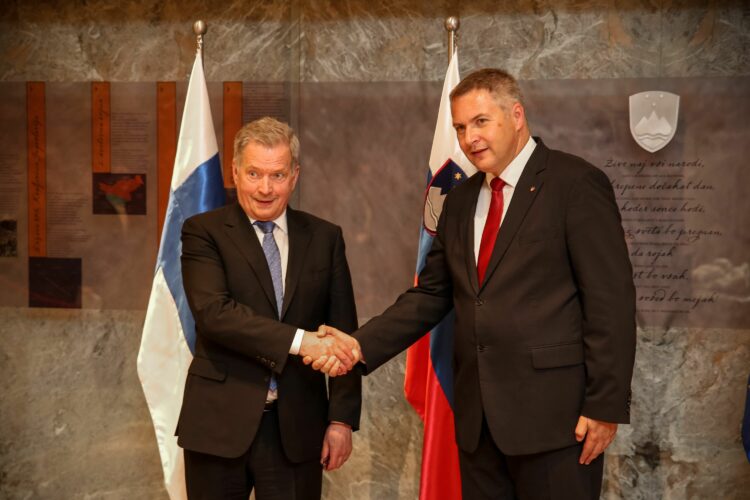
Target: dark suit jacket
column 241, row 342
column 550, row 334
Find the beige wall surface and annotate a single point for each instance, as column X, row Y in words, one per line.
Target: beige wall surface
column 73, row 421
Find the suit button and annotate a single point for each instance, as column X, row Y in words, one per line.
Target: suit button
column 273, row 363
column 479, row 302
column 481, row 347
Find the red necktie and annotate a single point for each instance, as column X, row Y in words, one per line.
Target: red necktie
column 491, row 227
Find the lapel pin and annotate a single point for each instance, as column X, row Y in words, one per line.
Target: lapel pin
column 532, row 189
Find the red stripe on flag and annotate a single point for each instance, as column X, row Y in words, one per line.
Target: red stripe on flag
column 415, row 378
column 417, row 373
column 441, row 476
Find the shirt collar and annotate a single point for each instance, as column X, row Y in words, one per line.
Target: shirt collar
column 280, row 221
column 513, row 171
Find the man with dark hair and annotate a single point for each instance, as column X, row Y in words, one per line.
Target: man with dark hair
column 531, row 254
column 257, row 275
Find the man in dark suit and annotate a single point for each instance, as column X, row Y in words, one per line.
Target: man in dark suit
column 257, row 275
column 531, row 254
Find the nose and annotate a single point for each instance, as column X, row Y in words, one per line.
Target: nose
column 265, row 185
column 471, row 135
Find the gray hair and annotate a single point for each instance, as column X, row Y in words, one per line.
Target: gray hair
column 501, row 84
column 269, row 132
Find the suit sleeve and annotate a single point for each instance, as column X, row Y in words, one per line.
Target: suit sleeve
column 218, row 316
column 345, row 402
column 604, row 277
column 415, row 312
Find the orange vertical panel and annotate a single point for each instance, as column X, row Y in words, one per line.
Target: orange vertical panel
column 101, row 150
column 37, row 168
column 232, row 123
column 166, row 144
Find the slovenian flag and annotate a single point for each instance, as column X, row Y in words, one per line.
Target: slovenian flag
column 169, row 331
column 428, row 384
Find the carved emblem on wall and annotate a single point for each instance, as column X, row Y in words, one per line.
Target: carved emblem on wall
column 653, row 118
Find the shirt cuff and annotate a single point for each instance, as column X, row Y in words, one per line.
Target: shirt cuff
column 297, row 342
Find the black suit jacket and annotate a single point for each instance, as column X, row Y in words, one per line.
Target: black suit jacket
column 240, row 341
column 550, row 334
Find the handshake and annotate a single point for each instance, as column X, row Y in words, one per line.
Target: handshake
column 330, row 351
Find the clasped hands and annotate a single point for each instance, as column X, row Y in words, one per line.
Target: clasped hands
column 330, row 351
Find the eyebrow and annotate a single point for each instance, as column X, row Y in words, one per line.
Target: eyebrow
column 473, row 118
column 268, row 170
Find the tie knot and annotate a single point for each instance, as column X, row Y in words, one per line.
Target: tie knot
column 265, row 225
column 497, row 184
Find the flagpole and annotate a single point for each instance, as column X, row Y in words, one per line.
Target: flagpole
column 452, row 23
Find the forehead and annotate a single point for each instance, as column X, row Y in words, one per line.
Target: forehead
column 474, row 102
column 257, row 155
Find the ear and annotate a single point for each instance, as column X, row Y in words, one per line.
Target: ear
column 518, row 114
column 235, row 170
column 295, row 176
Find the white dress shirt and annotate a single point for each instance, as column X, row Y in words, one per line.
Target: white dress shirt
column 510, row 176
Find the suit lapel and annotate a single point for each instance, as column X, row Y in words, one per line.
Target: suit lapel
column 523, row 197
column 240, row 230
column 470, row 206
column 299, row 239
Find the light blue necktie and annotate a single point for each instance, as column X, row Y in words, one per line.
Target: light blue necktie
column 273, row 257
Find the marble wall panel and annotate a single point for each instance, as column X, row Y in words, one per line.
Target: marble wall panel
column 590, row 39
column 359, row 40
column 365, row 149
column 143, row 40
column 73, row 420
column 705, row 38
column 683, row 441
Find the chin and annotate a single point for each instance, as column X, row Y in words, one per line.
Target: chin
column 265, row 210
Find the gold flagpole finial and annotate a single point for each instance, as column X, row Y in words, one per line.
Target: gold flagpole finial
column 452, row 23
column 199, row 28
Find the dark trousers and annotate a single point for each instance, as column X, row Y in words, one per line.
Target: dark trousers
column 487, row 473
column 264, row 467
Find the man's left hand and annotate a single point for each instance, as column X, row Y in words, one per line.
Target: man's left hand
column 598, row 436
column 337, row 446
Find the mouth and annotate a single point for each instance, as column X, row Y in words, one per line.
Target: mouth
column 478, row 152
column 263, row 203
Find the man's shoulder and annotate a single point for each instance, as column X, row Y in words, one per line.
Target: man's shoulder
column 570, row 165
column 217, row 215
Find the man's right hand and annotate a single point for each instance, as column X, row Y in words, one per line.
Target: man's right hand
column 330, row 351
column 345, row 352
